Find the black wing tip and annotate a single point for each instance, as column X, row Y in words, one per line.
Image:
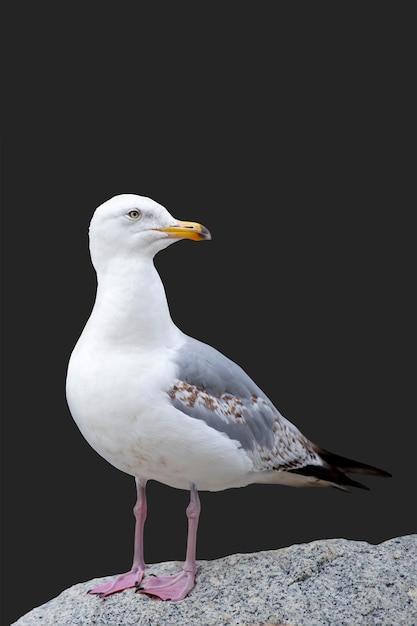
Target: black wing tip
column 330, row 475
column 345, row 464
column 335, row 469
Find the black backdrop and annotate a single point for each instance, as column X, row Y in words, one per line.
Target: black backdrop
column 288, row 129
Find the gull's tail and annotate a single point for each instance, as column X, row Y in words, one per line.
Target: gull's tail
column 334, row 470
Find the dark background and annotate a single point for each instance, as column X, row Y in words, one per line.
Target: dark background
column 288, row 129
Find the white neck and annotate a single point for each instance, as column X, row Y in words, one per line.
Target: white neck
column 131, row 308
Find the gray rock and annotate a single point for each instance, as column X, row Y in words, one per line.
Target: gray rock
column 328, row 582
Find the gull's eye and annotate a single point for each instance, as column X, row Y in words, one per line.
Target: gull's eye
column 134, row 214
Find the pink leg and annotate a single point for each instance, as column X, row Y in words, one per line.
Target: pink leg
column 134, row 577
column 178, row 586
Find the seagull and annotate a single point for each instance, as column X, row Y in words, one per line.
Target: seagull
column 160, row 405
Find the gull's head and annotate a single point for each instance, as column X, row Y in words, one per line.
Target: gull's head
column 131, row 225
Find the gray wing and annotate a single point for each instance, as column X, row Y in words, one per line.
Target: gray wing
column 212, row 388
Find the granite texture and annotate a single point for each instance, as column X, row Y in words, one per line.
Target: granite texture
column 333, row 582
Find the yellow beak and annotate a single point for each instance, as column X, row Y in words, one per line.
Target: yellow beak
column 187, row 230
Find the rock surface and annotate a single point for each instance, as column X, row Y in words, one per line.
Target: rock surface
column 333, row 582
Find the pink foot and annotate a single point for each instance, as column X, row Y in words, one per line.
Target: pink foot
column 124, row 581
column 170, row 587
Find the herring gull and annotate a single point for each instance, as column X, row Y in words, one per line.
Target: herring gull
column 160, row 405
